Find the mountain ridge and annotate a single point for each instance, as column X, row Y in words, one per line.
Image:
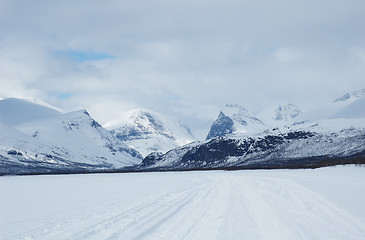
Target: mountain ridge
column 54, row 141
column 148, row 131
column 59, row 142
column 300, row 143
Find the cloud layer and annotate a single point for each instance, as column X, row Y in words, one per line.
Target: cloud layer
column 183, row 58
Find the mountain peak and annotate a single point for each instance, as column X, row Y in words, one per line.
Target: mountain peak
column 234, row 118
column 148, row 131
column 222, row 126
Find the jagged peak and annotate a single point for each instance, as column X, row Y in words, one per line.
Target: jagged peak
column 148, row 131
column 132, row 116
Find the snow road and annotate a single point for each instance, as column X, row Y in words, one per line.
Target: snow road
column 279, row 204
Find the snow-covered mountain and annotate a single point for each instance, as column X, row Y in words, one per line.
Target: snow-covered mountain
column 279, row 114
column 148, row 131
column 354, row 109
column 338, row 138
column 234, row 119
column 333, row 108
column 35, row 138
column 350, row 97
column 45, row 141
column 304, row 145
column 15, row 111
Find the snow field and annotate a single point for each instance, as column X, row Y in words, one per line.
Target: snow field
column 278, row 204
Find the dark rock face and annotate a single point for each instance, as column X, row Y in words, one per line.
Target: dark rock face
column 13, row 152
column 265, row 151
column 214, row 153
column 151, row 159
column 219, row 150
column 221, row 127
column 36, row 165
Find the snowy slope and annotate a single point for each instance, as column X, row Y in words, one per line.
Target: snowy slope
column 350, row 97
column 148, row 131
column 235, row 119
column 333, row 108
column 308, row 204
column 355, row 109
column 15, row 111
column 21, row 153
column 44, row 140
column 84, row 137
column 299, row 145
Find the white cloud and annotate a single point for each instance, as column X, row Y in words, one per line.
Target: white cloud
column 181, row 57
column 359, row 54
column 287, row 55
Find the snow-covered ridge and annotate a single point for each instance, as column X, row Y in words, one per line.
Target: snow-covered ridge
column 240, row 114
column 336, row 131
column 77, row 130
column 148, row 131
column 37, row 138
column 236, row 119
column 336, row 108
column 15, row 111
column 355, row 109
column 350, row 97
column 46, row 140
column 299, row 145
column 233, row 119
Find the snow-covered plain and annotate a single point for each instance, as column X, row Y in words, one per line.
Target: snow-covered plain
column 321, row 204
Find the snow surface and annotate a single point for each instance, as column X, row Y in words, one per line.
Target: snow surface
column 318, row 204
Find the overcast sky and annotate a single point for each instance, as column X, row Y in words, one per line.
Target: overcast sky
column 182, row 58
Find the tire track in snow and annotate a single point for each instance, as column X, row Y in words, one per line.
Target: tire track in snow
column 149, row 215
column 282, row 209
column 197, row 215
column 120, row 219
column 217, row 205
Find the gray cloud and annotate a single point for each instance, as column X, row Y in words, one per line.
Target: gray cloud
column 185, row 58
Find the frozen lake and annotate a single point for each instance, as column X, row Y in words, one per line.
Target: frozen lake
column 320, row 204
